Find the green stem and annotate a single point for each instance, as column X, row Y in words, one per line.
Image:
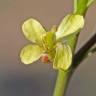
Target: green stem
column 63, row 77
column 61, row 83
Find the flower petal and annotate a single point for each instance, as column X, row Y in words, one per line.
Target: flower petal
column 63, row 57
column 33, row 30
column 30, row 53
column 69, row 25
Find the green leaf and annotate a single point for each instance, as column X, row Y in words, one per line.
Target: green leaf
column 49, row 39
column 81, row 6
column 30, row 53
column 33, row 30
column 63, row 57
column 69, row 25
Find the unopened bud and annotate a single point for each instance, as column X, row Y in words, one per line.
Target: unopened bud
column 45, row 58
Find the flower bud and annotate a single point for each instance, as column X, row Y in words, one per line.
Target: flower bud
column 45, row 58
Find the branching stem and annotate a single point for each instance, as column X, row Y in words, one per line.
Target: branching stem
column 79, row 56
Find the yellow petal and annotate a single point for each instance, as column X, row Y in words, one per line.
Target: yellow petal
column 33, row 30
column 30, row 53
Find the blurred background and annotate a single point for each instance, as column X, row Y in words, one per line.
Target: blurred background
column 38, row 79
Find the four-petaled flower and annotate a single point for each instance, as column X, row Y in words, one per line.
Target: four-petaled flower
column 51, row 45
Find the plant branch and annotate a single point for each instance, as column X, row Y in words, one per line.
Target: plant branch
column 79, row 56
column 61, row 82
column 63, row 77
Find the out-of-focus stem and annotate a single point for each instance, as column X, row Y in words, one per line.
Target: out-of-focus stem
column 81, row 54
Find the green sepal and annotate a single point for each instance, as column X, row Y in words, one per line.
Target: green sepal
column 63, row 57
column 30, row 53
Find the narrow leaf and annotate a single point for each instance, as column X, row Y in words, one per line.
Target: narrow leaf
column 30, row 53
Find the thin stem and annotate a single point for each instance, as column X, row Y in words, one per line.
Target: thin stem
column 75, row 6
column 61, row 83
column 83, row 50
column 63, row 77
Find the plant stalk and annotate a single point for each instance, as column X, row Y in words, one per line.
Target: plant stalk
column 63, row 77
column 61, row 83
column 81, row 54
